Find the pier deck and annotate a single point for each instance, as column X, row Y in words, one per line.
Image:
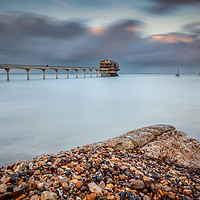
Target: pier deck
column 103, row 72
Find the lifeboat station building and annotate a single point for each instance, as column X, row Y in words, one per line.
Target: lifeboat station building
column 112, row 66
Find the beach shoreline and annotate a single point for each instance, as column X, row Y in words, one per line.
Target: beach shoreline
column 154, row 162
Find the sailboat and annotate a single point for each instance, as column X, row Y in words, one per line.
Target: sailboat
column 177, row 74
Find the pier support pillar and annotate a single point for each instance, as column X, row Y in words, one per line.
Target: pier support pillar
column 67, row 73
column 84, row 73
column 101, row 73
column 27, row 71
column 43, row 73
column 76, row 73
column 56, row 73
column 106, row 74
column 90, row 73
column 96, row 73
column 7, row 70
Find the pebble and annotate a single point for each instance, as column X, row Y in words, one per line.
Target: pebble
column 102, row 185
column 137, row 184
column 79, row 184
column 148, row 179
column 46, row 195
column 86, row 166
column 138, row 173
column 3, row 188
column 146, row 197
column 35, row 197
column 91, row 196
column 122, row 177
column 31, row 184
column 93, row 187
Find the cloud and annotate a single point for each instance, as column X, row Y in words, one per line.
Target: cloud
column 60, row 2
column 193, row 27
column 174, row 37
column 165, row 6
column 33, row 39
column 40, row 26
column 88, row 3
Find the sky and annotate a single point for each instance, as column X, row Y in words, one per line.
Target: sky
column 155, row 36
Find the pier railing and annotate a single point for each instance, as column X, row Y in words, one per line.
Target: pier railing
column 8, row 67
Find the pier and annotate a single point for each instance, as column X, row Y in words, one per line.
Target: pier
column 103, row 71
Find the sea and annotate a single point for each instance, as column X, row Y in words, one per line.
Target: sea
column 47, row 116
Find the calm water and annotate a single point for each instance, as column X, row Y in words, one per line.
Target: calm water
column 47, row 116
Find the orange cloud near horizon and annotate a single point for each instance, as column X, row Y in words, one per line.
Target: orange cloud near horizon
column 97, row 31
column 172, row 38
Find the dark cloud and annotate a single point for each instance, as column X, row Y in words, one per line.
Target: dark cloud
column 165, row 6
column 27, row 39
column 40, row 26
column 193, row 27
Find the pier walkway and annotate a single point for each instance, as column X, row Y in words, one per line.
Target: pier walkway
column 103, row 72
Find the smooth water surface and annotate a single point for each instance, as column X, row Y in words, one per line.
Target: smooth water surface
column 46, row 116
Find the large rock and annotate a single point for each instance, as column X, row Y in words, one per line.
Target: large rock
column 138, row 138
column 175, row 146
column 160, row 142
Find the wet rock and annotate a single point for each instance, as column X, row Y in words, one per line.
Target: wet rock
column 13, row 179
column 22, row 196
column 109, row 181
column 31, row 184
column 110, row 197
column 91, row 196
column 109, row 189
column 40, row 185
column 102, row 185
column 46, row 195
column 78, row 169
column 68, row 172
column 3, row 188
column 15, row 194
column 186, row 191
column 146, row 197
column 130, row 195
column 138, row 173
column 10, row 188
column 84, row 189
column 93, row 187
column 148, row 179
column 123, row 196
column 137, row 184
column 56, row 184
column 57, row 161
column 122, row 177
column 79, row 184
column 86, row 166
column 35, row 197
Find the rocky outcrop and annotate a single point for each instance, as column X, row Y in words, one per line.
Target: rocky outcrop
column 139, row 137
column 160, row 142
column 175, row 146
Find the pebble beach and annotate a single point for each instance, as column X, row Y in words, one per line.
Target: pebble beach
column 154, row 162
